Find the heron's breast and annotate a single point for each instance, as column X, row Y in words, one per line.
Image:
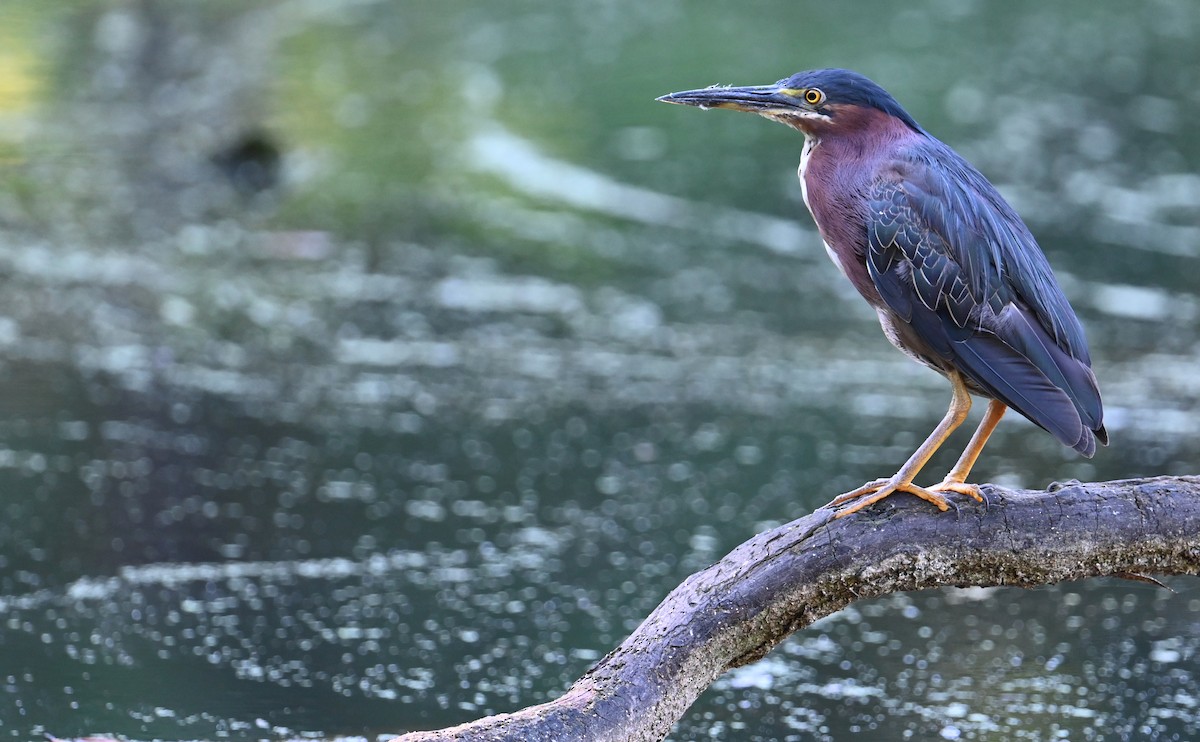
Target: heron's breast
column 805, row 154
column 837, row 207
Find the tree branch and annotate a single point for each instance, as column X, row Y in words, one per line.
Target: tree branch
column 782, row 580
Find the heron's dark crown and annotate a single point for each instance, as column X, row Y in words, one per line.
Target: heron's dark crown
column 845, row 87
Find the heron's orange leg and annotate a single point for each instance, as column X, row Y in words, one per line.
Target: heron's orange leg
column 902, row 481
column 955, row 481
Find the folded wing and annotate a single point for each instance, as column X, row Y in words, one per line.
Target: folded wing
column 981, row 296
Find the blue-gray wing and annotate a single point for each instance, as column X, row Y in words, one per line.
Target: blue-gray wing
column 952, row 260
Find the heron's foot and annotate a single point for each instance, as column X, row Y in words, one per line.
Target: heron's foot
column 873, row 492
column 962, row 488
column 866, row 489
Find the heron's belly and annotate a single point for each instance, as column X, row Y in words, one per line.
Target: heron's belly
column 901, row 334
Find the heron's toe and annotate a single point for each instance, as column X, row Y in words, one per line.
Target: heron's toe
column 866, row 489
column 962, row 488
column 873, row 492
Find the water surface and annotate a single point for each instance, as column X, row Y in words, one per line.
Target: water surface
column 371, row 367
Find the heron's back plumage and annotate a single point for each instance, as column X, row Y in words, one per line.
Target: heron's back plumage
column 953, row 261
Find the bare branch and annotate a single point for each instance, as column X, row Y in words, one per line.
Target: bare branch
column 782, row 580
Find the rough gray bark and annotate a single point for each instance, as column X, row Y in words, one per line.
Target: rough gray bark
column 782, row 580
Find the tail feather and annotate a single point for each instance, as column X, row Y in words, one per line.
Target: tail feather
column 1018, row 329
column 1023, row 386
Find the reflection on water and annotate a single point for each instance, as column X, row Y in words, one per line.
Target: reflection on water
column 374, row 368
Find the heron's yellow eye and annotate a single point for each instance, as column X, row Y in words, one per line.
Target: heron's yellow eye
column 813, row 96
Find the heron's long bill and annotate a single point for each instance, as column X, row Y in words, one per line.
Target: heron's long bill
column 755, row 98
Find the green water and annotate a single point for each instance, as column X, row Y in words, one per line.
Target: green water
column 368, row 367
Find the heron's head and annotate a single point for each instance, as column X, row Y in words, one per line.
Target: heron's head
column 816, row 102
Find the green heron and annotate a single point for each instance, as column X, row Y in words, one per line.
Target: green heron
column 957, row 280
